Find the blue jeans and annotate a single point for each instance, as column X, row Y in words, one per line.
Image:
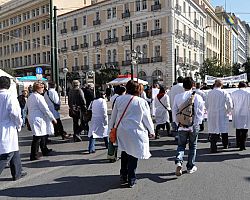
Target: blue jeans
column 92, row 143
column 184, row 136
column 15, row 163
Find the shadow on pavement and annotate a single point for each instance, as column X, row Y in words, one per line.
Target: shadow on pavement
column 76, row 186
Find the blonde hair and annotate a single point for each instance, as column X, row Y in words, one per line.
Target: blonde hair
column 37, row 84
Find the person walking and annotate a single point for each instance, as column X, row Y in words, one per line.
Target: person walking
column 133, row 132
column 162, row 107
column 241, row 115
column 187, row 133
column 99, row 122
column 77, row 106
column 218, row 104
column 22, row 99
column 10, row 125
column 52, row 99
column 41, row 119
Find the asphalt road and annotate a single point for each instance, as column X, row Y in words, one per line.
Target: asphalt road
column 72, row 173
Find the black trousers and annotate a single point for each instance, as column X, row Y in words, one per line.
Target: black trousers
column 128, row 166
column 77, row 128
column 58, row 127
column 36, row 142
column 241, row 137
column 162, row 126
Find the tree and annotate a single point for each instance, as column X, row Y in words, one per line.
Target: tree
column 106, row 75
column 246, row 65
column 236, row 69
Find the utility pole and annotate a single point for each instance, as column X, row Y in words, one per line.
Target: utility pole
column 175, row 64
column 131, row 49
column 56, row 70
column 51, row 42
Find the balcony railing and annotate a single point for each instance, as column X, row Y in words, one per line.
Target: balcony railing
column 96, row 22
column 97, row 66
column 156, row 32
column 74, row 28
column 85, row 67
column 84, row 45
column 156, row 59
column 155, row 7
column 126, row 37
column 125, row 14
column 110, row 64
column 75, row 68
column 144, row 60
column 178, row 33
column 126, row 62
column 196, row 43
column 63, row 31
column 75, row 47
column 141, row 34
column 97, row 43
column 111, row 40
column 64, row 49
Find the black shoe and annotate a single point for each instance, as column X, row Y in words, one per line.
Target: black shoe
column 91, row 152
column 47, row 152
column 23, row 174
column 123, row 180
column 132, row 183
column 77, row 138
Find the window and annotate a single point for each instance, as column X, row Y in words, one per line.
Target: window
column 138, row 48
column 144, row 51
column 43, row 25
column 85, row 39
column 76, row 61
column 157, row 24
column 75, row 21
column 48, row 39
column 157, row 51
column 33, row 13
column 114, row 55
column 44, row 57
column 109, row 34
column 85, row 60
column 65, row 63
column 114, row 33
column 84, row 20
column 144, row 26
column 138, row 28
column 109, row 56
column 157, row 2
column 144, row 4
column 38, row 58
column 109, row 13
column 138, row 5
column 64, row 25
column 114, row 12
column 126, row 7
column 64, row 43
column 75, row 40
column 33, row 27
column 98, row 58
column 37, row 11
column 97, row 15
column 37, row 26
column 127, row 30
column 97, row 36
column 44, row 40
column 43, row 9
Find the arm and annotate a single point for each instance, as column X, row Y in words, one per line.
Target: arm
column 167, row 102
column 113, row 117
column 198, row 110
column 43, row 106
column 146, row 118
column 82, row 100
column 174, row 111
column 14, row 111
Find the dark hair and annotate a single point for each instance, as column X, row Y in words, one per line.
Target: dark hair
column 180, row 79
column 242, row 85
column 162, row 90
column 4, row 82
column 121, row 90
column 52, row 84
column 188, row 83
column 133, row 88
column 100, row 94
column 198, row 85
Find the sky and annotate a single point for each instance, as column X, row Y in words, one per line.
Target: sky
column 241, row 8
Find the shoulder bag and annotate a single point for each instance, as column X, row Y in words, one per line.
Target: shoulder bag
column 56, row 106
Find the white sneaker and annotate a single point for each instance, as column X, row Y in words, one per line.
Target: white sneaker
column 178, row 171
column 191, row 171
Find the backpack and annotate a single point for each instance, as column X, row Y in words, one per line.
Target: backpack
column 186, row 112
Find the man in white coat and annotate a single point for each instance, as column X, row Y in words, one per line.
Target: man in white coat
column 10, row 123
column 241, row 115
column 218, row 104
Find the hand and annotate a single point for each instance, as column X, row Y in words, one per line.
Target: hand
column 54, row 121
column 151, row 135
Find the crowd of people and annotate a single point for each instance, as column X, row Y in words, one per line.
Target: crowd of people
column 135, row 108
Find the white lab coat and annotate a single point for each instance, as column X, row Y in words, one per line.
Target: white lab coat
column 132, row 133
column 53, row 95
column 39, row 115
column 10, row 122
column 161, row 113
column 219, row 105
column 98, row 126
column 241, row 109
column 176, row 89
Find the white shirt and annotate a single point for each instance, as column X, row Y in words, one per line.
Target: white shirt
column 10, row 121
column 53, row 95
column 198, row 108
column 176, row 89
column 161, row 113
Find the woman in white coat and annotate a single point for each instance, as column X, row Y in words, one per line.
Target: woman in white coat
column 98, row 126
column 162, row 107
column 241, row 115
column 40, row 119
column 133, row 131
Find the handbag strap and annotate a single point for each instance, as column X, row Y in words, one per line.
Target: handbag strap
column 162, row 104
column 124, row 112
column 50, row 98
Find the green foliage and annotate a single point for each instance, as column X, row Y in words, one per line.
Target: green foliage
column 106, row 75
column 236, row 69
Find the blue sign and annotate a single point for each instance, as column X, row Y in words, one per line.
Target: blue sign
column 39, row 70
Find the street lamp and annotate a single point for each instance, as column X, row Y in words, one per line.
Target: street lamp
column 203, row 48
column 65, row 71
column 91, row 74
column 135, row 57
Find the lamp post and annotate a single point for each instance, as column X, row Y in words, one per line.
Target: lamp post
column 136, row 56
column 92, row 74
column 203, row 48
column 65, row 71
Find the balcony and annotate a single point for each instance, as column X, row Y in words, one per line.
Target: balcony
column 144, row 60
column 156, row 59
column 97, row 66
column 156, row 7
column 111, row 64
column 196, row 22
column 178, row 8
column 75, row 47
column 178, row 33
column 84, row 45
column 64, row 49
column 126, row 37
column 141, row 34
column 63, row 31
column 111, row 40
column 180, row 60
column 85, row 67
column 196, row 43
column 126, row 14
column 185, row 37
column 74, row 28
column 126, row 62
column 191, row 41
column 97, row 43
column 75, row 68
column 96, row 22
column 156, row 32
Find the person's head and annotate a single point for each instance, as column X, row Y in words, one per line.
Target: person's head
column 76, row 84
column 52, row 85
column 25, row 93
column 162, row 90
column 100, row 94
column 38, row 87
column 198, row 85
column 133, row 88
column 242, row 85
column 141, row 88
column 188, row 83
column 218, row 83
column 91, row 86
column 180, row 79
column 121, row 90
column 4, row 82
